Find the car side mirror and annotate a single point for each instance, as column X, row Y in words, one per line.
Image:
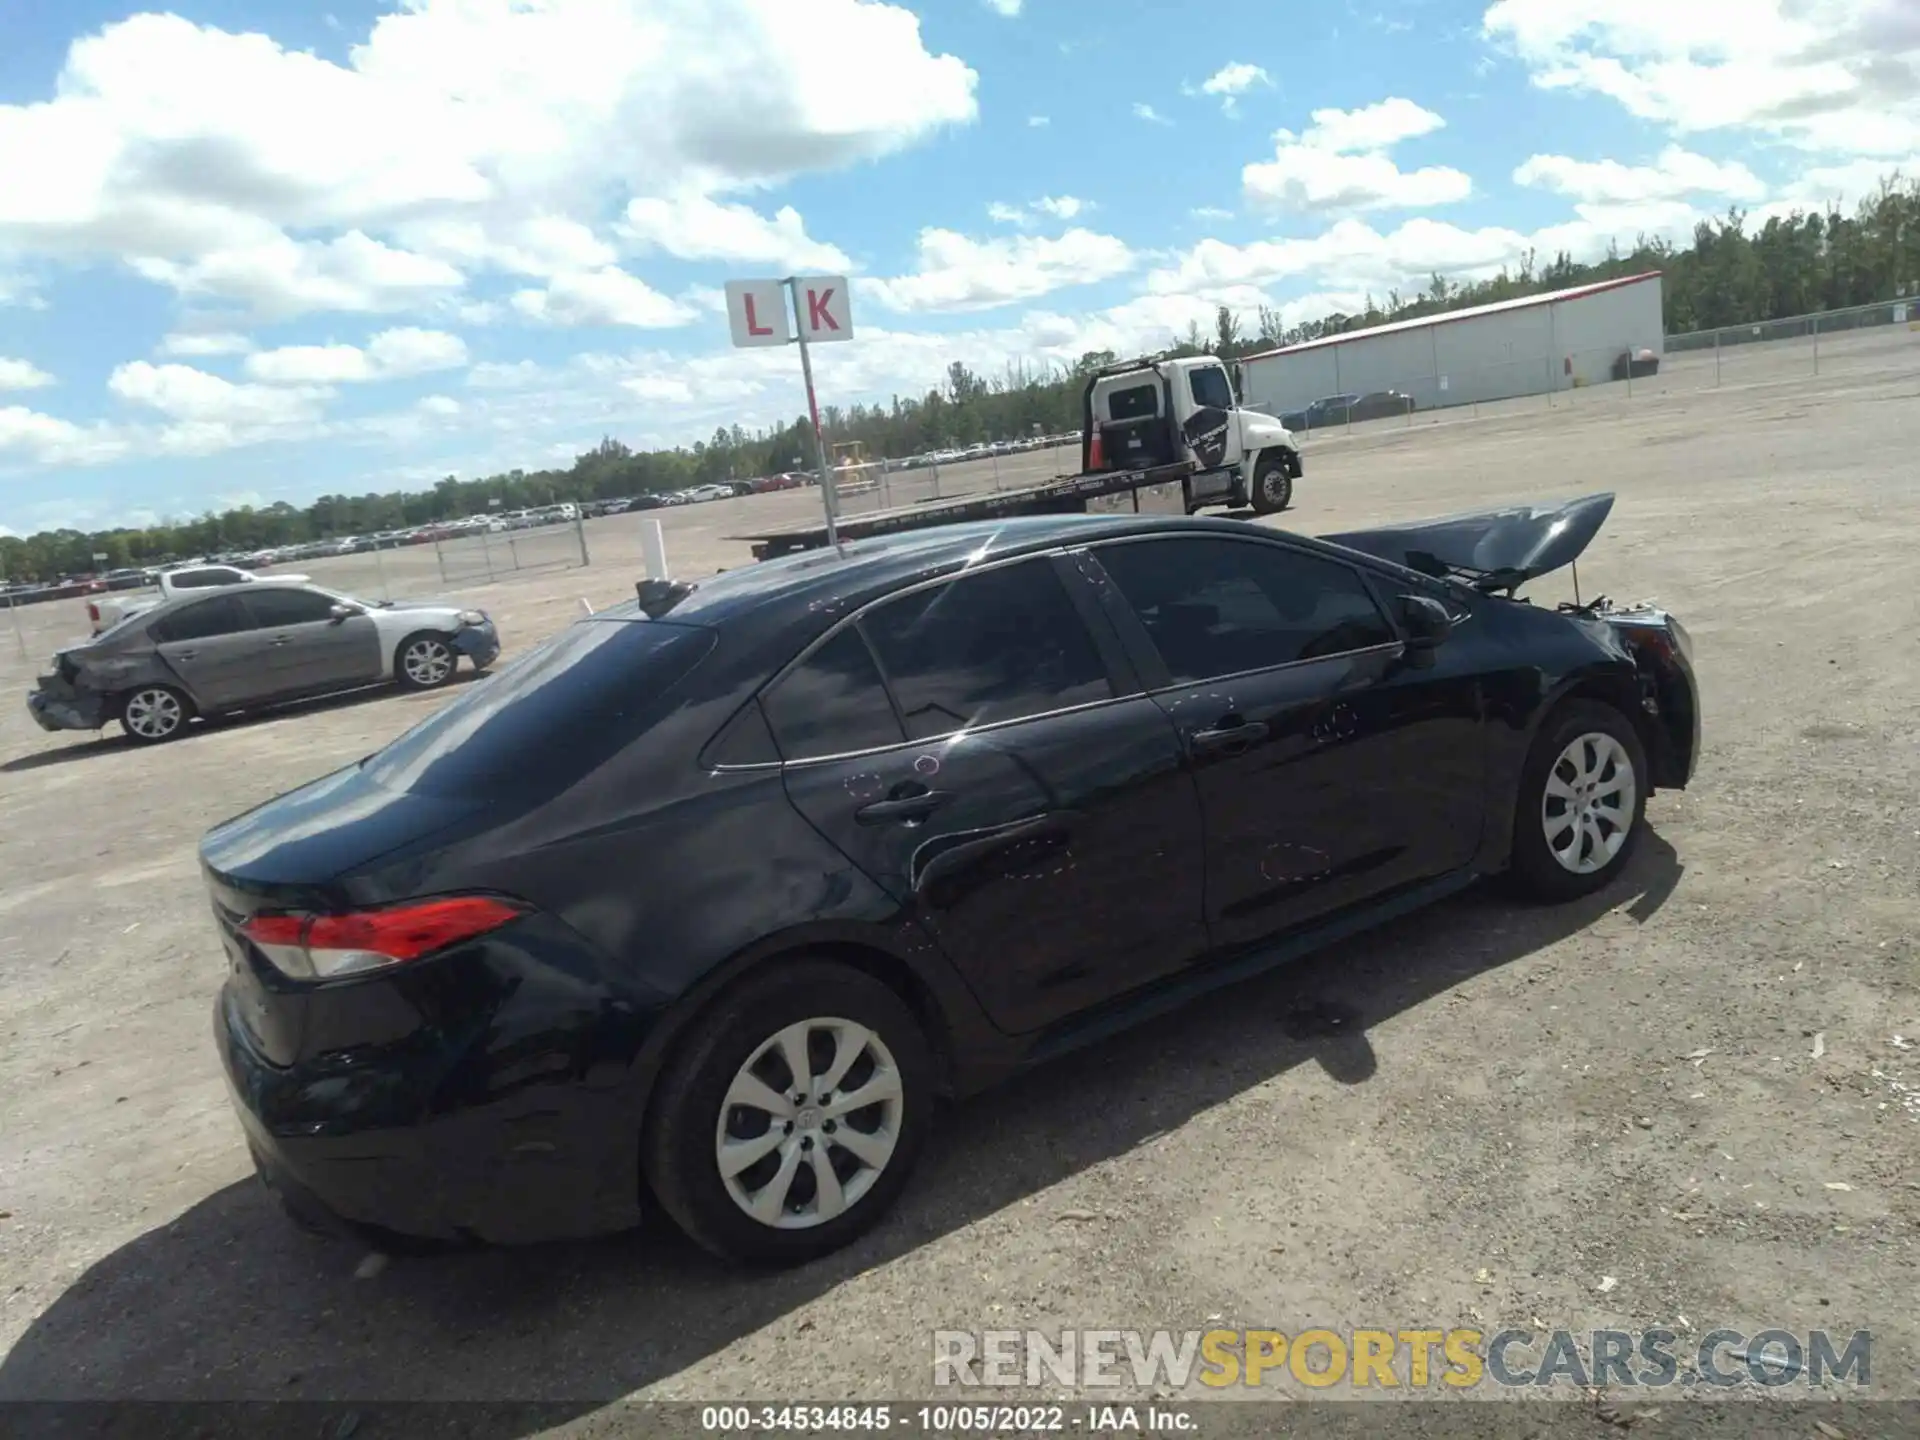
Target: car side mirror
column 346, row 612
column 1427, row 626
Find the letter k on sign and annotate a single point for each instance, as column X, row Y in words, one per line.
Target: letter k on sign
column 825, row 312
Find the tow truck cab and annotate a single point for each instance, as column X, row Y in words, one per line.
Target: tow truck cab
column 1161, row 412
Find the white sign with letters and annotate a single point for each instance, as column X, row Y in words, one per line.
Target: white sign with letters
column 757, row 312
column 824, row 306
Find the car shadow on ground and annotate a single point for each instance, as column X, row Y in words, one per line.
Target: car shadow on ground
column 110, row 741
column 230, row 1302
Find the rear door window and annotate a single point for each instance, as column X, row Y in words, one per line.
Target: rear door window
column 833, row 703
column 1133, row 402
column 1001, row 645
column 1224, row 607
column 206, row 620
column 274, row 608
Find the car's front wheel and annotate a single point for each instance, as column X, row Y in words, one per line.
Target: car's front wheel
column 153, row 713
column 1582, row 802
column 424, row 662
column 792, row 1114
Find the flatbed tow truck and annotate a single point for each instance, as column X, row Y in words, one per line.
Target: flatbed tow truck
column 1160, row 436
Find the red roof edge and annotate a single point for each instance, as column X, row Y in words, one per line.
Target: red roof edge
column 1477, row 312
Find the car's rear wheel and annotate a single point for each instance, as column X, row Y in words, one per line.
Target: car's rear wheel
column 1272, row 485
column 1582, row 802
column 154, row 713
column 792, row 1114
column 424, row 662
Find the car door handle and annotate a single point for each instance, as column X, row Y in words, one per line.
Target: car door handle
column 1227, row 736
column 281, row 640
column 902, row 807
column 185, row 654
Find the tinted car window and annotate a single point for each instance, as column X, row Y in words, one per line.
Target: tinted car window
column 220, row 615
column 996, row 646
column 1210, row 387
column 834, row 703
column 548, row 719
column 1220, row 607
column 1134, row 402
column 288, row 607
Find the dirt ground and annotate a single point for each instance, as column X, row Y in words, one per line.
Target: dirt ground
column 1608, row 1114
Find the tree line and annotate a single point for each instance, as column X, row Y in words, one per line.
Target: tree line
column 1728, row 275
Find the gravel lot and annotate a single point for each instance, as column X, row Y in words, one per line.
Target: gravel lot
column 1471, row 1117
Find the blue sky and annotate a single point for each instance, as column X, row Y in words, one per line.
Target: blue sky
column 263, row 251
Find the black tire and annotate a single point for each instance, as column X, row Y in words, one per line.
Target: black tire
column 427, row 678
column 1537, row 872
column 1272, row 485
column 678, row 1151
column 154, row 714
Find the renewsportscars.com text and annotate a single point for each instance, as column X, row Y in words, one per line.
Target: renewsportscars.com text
column 1393, row 1359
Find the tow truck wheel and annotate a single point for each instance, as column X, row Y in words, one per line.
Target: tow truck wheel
column 153, row 713
column 1272, row 485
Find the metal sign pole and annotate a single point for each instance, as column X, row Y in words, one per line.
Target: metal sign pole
column 828, row 497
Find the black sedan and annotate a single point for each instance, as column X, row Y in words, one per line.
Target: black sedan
column 697, row 909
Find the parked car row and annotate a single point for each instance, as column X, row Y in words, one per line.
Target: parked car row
column 985, row 450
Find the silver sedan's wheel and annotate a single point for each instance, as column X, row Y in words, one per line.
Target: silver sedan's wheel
column 153, row 714
column 1587, row 808
column 426, row 661
column 809, row 1123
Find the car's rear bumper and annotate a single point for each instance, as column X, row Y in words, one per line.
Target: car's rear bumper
column 479, row 1129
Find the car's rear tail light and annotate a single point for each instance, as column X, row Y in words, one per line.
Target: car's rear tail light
column 320, row 947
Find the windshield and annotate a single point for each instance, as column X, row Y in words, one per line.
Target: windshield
column 549, row 718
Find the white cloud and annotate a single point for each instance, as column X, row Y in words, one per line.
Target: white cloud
column 1055, row 207
column 1233, row 80
column 193, row 396
column 1351, row 257
column 280, row 278
column 693, row 227
column 1008, row 8
column 1340, row 163
column 1841, row 76
column 229, row 168
column 47, row 440
column 22, row 375
column 389, row 355
column 608, row 296
column 1211, row 212
column 188, row 344
column 959, row 273
column 1144, row 111
column 1675, row 173
column 1039, row 122
column 444, row 406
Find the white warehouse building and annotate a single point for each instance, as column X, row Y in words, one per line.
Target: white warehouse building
column 1529, row 346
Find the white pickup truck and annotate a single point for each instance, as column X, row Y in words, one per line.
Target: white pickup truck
column 104, row 613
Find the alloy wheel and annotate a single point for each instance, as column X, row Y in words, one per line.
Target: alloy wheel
column 1587, row 808
column 428, row 662
column 809, row 1123
column 154, row 714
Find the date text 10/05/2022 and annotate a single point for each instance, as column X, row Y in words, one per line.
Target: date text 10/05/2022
column 947, row 1419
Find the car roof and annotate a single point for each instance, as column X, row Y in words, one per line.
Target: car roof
column 826, row 583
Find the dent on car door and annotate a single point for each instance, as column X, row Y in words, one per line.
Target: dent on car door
column 212, row 646
column 1032, row 815
column 1330, row 770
